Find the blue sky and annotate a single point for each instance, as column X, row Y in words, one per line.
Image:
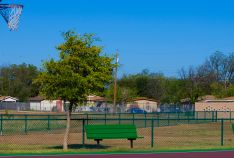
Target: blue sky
column 161, row 35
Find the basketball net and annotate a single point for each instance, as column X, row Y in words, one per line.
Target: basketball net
column 11, row 14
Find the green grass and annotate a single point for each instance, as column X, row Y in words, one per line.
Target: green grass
column 171, row 135
column 116, row 150
column 179, row 137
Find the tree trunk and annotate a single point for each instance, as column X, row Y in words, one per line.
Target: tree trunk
column 66, row 135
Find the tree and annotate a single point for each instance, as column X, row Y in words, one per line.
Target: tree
column 174, row 91
column 16, row 81
column 191, row 84
column 81, row 70
column 124, row 94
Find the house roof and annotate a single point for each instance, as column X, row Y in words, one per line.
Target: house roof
column 89, row 98
column 143, row 98
column 37, row 98
column 229, row 98
column 210, row 98
column 95, row 98
column 206, row 98
column 185, row 100
column 2, row 98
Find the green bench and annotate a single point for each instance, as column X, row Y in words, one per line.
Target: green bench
column 112, row 131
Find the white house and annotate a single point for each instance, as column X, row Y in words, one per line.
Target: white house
column 39, row 103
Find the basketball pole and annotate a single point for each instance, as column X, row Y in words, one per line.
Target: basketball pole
column 115, row 82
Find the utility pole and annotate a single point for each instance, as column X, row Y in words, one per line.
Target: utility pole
column 115, row 82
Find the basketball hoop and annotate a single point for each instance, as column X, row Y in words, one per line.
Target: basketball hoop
column 11, row 14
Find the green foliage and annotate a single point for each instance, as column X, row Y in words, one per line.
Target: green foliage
column 229, row 91
column 145, row 84
column 215, row 76
column 123, row 94
column 219, row 90
column 173, row 91
column 80, row 71
column 16, row 81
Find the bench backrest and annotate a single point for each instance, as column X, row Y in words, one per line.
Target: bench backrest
column 112, row 131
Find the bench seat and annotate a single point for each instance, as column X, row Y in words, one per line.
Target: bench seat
column 112, row 131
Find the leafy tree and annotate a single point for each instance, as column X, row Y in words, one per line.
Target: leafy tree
column 191, row 84
column 229, row 91
column 124, row 94
column 81, row 70
column 16, row 81
column 174, row 91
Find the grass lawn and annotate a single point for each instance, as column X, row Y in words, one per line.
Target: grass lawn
column 178, row 137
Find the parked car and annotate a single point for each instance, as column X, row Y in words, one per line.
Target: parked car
column 137, row 111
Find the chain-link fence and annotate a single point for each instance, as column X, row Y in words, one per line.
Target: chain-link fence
column 46, row 132
column 17, row 106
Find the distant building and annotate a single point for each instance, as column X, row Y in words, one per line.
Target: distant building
column 8, row 99
column 39, row 103
column 94, row 100
column 222, row 106
column 214, row 104
column 149, row 105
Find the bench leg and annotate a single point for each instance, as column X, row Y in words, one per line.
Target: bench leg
column 131, row 143
column 98, row 141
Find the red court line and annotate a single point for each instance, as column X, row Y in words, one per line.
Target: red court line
column 225, row 154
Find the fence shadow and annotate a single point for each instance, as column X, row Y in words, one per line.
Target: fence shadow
column 80, row 146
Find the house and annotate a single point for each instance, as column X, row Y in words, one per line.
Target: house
column 214, row 104
column 94, row 100
column 93, row 103
column 222, row 106
column 149, row 105
column 39, row 103
column 8, row 99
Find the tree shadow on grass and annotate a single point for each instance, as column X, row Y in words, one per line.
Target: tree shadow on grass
column 81, row 146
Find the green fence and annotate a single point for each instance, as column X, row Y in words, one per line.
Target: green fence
column 48, row 122
column 162, row 115
column 165, row 131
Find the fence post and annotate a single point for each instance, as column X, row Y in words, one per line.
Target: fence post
column 158, row 121
column 25, row 124
column 216, row 116
column 48, row 122
column 133, row 118
column 222, row 132
column 87, row 117
column 105, row 118
column 230, row 116
column 178, row 118
column 212, row 116
column 188, row 117
column 83, row 132
column 152, row 133
column 168, row 119
column 1, row 125
column 145, row 120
